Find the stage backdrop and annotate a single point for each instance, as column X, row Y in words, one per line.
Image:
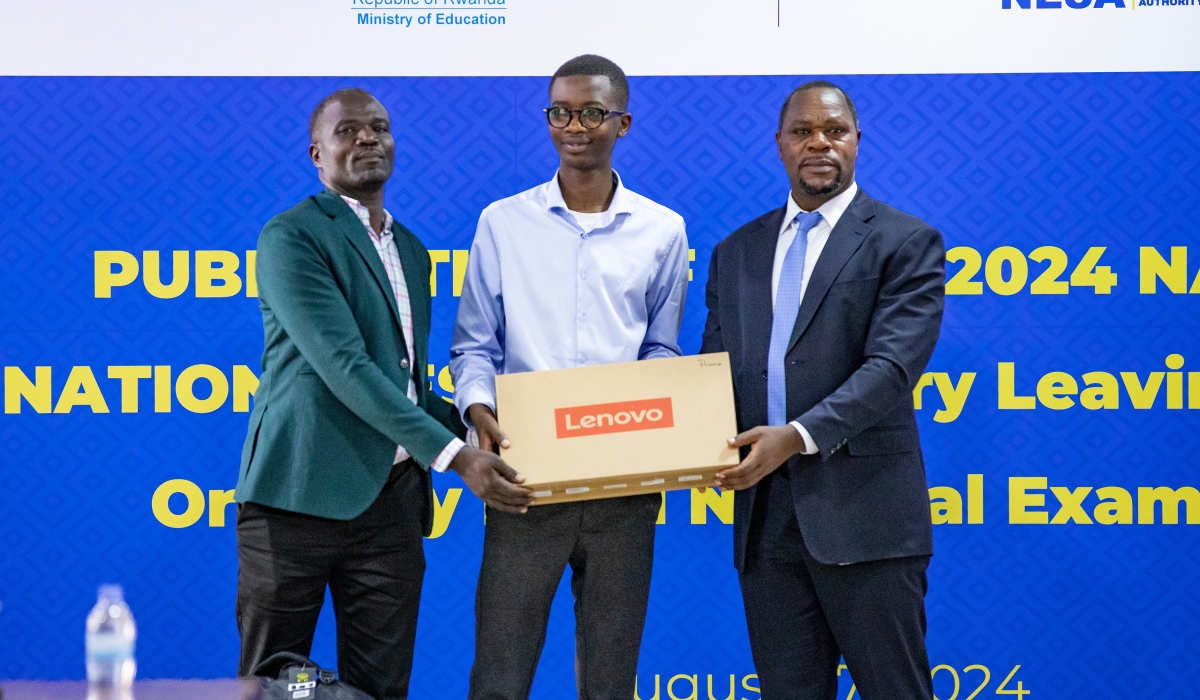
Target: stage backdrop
column 140, row 156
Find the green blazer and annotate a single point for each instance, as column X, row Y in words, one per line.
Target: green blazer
column 332, row 403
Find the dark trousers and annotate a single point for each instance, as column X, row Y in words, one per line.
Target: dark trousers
column 609, row 545
column 373, row 565
column 803, row 615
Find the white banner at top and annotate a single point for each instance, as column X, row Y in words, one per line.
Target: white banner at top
column 647, row 37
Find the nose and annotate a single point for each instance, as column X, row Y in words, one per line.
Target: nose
column 576, row 123
column 367, row 135
column 818, row 141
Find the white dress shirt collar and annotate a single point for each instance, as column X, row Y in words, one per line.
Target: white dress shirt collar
column 621, row 201
column 817, row 237
column 831, row 211
column 364, row 215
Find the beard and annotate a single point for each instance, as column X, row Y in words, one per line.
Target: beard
column 368, row 176
column 818, row 190
column 373, row 179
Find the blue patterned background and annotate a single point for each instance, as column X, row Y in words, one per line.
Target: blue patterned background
column 1073, row 161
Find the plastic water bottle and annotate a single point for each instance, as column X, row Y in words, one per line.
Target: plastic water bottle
column 111, row 636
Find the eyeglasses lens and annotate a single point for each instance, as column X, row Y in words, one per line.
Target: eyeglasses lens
column 591, row 118
column 559, row 117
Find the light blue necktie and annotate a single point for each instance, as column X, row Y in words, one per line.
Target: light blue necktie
column 787, row 307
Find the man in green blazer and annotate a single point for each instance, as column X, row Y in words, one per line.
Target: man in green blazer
column 334, row 488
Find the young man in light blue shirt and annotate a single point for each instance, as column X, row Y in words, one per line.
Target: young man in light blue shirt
column 574, row 272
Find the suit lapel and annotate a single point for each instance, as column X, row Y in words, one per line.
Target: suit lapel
column 417, row 296
column 346, row 221
column 844, row 240
column 757, row 264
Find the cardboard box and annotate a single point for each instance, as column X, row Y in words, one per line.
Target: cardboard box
column 619, row 429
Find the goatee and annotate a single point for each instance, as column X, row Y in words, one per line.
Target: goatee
column 816, row 191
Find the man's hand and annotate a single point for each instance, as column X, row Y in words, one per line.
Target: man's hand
column 491, row 438
column 770, row 447
column 488, row 477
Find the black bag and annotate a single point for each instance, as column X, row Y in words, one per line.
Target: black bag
column 288, row 676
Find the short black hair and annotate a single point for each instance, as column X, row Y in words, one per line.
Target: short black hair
column 590, row 64
column 332, row 97
column 815, row 85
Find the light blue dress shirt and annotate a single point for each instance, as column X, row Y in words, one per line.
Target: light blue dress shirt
column 544, row 292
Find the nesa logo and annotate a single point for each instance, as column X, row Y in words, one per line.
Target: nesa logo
column 1059, row 4
column 621, row 417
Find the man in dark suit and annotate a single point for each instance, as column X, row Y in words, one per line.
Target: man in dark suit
column 334, row 488
column 829, row 308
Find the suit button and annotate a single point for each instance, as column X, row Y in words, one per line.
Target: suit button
column 404, row 363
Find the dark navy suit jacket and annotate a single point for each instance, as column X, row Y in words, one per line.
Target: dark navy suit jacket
column 866, row 328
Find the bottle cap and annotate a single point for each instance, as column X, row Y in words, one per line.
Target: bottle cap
column 112, row 591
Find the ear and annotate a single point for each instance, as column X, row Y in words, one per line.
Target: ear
column 779, row 143
column 626, row 121
column 314, row 152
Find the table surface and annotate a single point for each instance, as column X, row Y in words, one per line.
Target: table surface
column 142, row 690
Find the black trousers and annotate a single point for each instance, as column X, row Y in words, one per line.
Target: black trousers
column 373, row 565
column 609, row 545
column 804, row 615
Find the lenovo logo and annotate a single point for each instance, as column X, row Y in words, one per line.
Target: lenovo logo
column 621, row 417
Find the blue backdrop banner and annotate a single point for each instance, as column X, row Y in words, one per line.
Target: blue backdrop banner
column 1058, row 415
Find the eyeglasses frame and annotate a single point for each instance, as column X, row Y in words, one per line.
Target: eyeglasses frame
column 577, row 114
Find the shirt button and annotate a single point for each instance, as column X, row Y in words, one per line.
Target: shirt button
column 584, row 275
column 404, row 363
column 585, row 236
column 582, row 317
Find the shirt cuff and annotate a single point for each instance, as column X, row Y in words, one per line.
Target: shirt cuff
column 442, row 463
column 810, row 447
column 466, row 397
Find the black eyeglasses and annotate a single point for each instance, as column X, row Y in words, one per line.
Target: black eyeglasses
column 589, row 117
